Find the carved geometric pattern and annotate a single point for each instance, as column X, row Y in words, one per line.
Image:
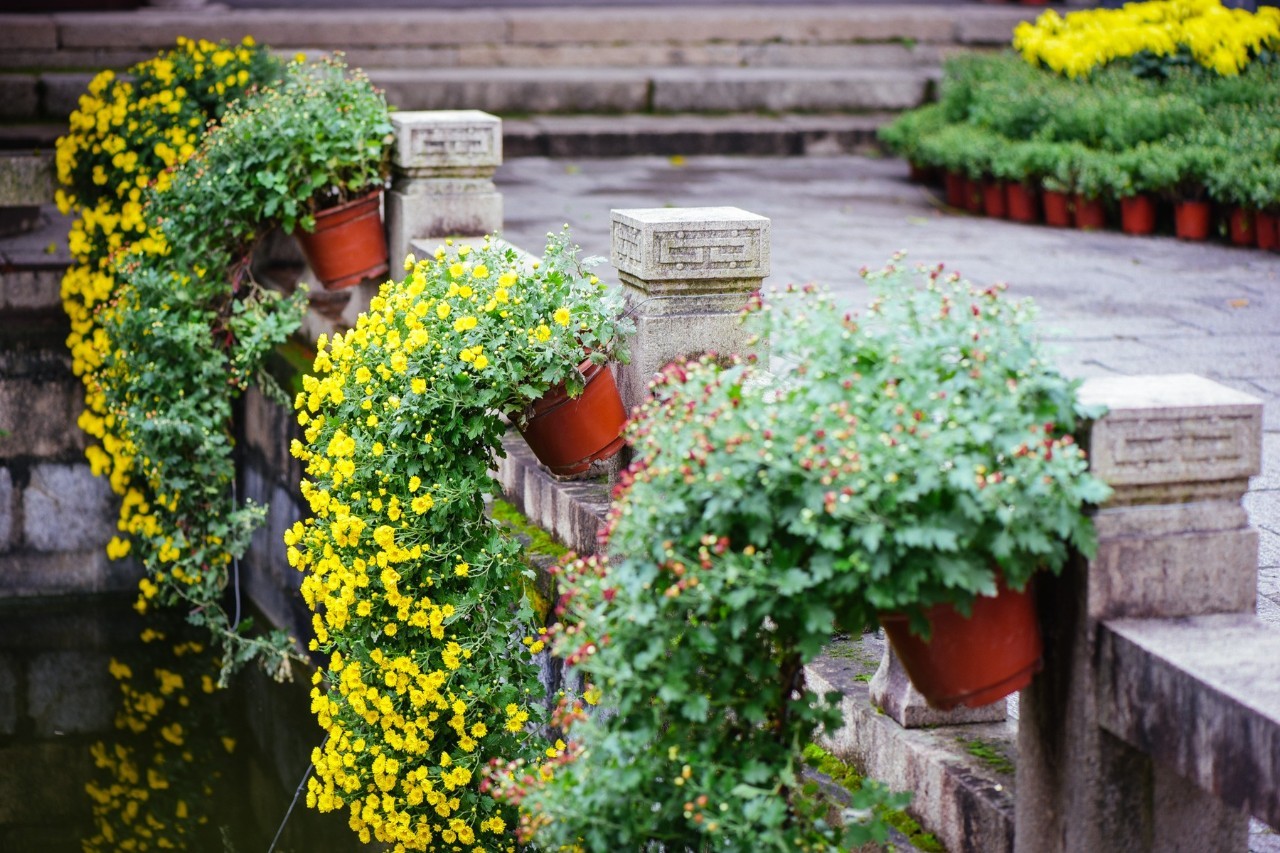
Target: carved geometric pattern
column 451, row 142
column 1199, row 440
column 675, row 244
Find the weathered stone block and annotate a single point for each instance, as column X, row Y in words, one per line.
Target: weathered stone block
column 39, row 403
column 446, row 140
column 28, row 32
column 66, row 508
column 19, row 99
column 517, row 90
column 785, row 89
column 666, row 249
column 24, row 178
column 62, row 91
column 8, row 509
column 70, row 692
column 1201, row 695
column 1170, row 432
column 420, row 209
column 31, row 290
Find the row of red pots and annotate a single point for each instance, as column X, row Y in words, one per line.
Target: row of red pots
column 1192, row 220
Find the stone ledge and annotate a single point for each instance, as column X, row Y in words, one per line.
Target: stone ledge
column 573, row 512
column 967, row 803
column 1201, row 695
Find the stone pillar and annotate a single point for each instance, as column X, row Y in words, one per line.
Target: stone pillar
column 1172, row 541
column 442, row 177
column 686, row 273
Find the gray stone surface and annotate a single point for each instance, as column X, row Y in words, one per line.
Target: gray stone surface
column 19, row 98
column 70, row 692
column 891, row 690
column 66, row 508
column 446, row 142
column 30, row 32
column 966, row 802
column 785, row 89
column 516, row 90
column 572, row 512
column 61, row 91
column 1223, row 673
column 27, row 574
column 8, row 510
column 39, row 406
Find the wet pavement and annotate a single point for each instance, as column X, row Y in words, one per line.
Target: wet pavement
column 1112, row 304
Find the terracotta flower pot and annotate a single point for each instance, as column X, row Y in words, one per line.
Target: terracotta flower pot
column 1021, row 203
column 1191, row 220
column 1241, row 227
column 993, row 199
column 1057, row 209
column 1090, row 213
column 568, row 433
column 957, row 188
column 973, row 661
column 1138, row 215
column 349, row 244
column 1267, row 226
column 973, row 196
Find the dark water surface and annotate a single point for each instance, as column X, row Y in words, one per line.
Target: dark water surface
column 114, row 737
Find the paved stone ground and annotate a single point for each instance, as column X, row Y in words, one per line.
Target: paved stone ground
column 1113, row 304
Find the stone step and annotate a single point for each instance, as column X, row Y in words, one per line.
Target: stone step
column 515, row 91
column 27, row 40
column 688, row 135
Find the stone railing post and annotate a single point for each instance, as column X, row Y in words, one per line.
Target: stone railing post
column 442, row 177
column 1172, row 541
column 686, row 273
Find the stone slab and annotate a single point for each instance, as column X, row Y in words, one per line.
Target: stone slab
column 28, row 32
column 26, row 574
column 1172, row 429
column 282, row 28
column 8, row 510
column 1166, row 576
column 19, row 99
column 966, row 802
column 66, row 508
column 1201, row 695
column 430, row 209
column 8, row 695
column 446, row 140
column 785, row 89
column 31, row 290
column 815, row 24
column 658, row 245
column 38, row 416
column 573, row 512
column 516, row 90
column 61, row 92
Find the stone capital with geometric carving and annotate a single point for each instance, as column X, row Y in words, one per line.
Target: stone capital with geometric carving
column 1173, row 437
column 664, row 250
column 446, row 142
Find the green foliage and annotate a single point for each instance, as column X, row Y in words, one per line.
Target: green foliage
column 904, row 460
column 319, row 139
column 1184, row 134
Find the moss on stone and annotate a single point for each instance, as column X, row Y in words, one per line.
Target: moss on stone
column 989, row 753
column 540, row 544
column 851, row 780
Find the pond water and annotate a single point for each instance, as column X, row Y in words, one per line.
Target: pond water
column 114, row 737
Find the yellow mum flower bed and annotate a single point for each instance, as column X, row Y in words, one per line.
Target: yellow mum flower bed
column 1217, row 38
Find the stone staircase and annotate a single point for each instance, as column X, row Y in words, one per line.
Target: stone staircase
column 570, row 81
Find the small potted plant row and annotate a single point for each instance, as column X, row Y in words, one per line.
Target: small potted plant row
column 1014, row 141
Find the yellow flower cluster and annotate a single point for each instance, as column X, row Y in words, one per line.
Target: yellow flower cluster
column 413, row 590
column 1220, row 39
column 123, row 140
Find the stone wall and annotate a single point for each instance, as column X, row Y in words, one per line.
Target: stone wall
column 55, row 516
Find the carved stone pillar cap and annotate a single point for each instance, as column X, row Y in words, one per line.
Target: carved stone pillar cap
column 446, row 139
column 1178, row 428
column 688, row 243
